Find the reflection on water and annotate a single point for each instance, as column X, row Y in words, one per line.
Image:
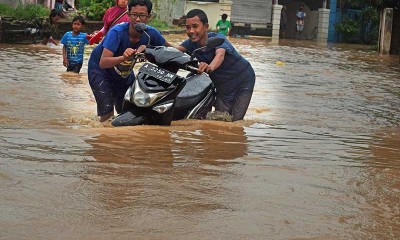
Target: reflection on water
column 208, row 141
column 317, row 156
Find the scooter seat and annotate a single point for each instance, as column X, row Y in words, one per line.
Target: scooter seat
column 197, row 86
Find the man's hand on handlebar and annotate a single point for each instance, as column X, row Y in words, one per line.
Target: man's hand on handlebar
column 141, row 48
column 204, row 67
column 128, row 54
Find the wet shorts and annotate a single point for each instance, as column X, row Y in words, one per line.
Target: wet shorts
column 106, row 92
column 236, row 103
column 74, row 67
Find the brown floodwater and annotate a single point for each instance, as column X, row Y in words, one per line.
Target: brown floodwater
column 317, row 156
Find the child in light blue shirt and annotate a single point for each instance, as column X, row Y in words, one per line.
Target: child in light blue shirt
column 74, row 45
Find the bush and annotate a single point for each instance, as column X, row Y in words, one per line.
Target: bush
column 5, row 10
column 94, row 9
column 348, row 28
column 24, row 12
column 370, row 25
column 154, row 22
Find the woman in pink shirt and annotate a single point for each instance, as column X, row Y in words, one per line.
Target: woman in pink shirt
column 114, row 15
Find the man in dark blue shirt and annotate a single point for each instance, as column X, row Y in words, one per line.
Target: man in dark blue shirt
column 232, row 75
column 109, row 69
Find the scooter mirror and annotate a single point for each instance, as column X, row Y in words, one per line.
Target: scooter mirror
column 214, row 42
column 141, row 28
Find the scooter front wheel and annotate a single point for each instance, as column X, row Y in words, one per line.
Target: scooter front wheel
column 129, row 119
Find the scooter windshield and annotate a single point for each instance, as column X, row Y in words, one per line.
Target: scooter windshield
column 166, row 55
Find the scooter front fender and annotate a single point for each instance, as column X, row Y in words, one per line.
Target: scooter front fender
column 129, row 119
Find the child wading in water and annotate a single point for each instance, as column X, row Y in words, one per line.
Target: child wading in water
column 74, row 45
column 232, row 75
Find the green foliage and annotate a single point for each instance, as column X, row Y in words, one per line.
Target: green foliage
column 377, row 4
column 94, row 9
column 348, row 28
column 158, row 24
column 5, row 10
column 370, row 24
column 24, row 12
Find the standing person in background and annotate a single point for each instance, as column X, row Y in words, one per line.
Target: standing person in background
column 49, row 27
column 59, row 5
column 300, row 15
column 110, row 67
column 283, row 22
column 223, row 25
column 114, row 15
column 74, row 45
column 232, row 74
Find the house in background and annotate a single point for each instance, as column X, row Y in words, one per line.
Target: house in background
column 168, row 11
column 249, row 17
column 262, row 17
column 318, row 23
column 252, row 17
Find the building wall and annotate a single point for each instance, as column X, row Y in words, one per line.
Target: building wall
column 46, row 3
column 395, row 43
column 253, row 12
column 313, row 5
column 310, row 22
column 14, row 3
column 214, row 10
column 167, row 10
column 332, row 21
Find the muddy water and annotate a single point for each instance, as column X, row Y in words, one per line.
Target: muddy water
column 317, row 156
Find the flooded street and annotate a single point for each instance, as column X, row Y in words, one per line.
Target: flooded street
column 317, row 156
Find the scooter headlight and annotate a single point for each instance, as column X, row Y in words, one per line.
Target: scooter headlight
column 128, row 95
column 143, row 99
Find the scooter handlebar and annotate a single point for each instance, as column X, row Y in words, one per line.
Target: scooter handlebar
column 194, row 69
column 191, row 68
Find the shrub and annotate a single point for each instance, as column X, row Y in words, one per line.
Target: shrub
column 154, row 22
column 94, row 9
column 5, row 10
column 24, row 12
column 348, row 28
column 370, row 24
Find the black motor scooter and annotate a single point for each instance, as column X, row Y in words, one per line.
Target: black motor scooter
column 159, row 95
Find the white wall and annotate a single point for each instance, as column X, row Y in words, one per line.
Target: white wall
column 15, row 3
column 212, row 9
column 47, row 3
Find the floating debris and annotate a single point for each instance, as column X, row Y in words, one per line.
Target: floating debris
column 219, row 116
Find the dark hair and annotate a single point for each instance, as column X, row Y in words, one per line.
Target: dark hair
column 147, row 3
column 224, row 16
column 199, row 13
column 79, row 18
column 54, row 13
